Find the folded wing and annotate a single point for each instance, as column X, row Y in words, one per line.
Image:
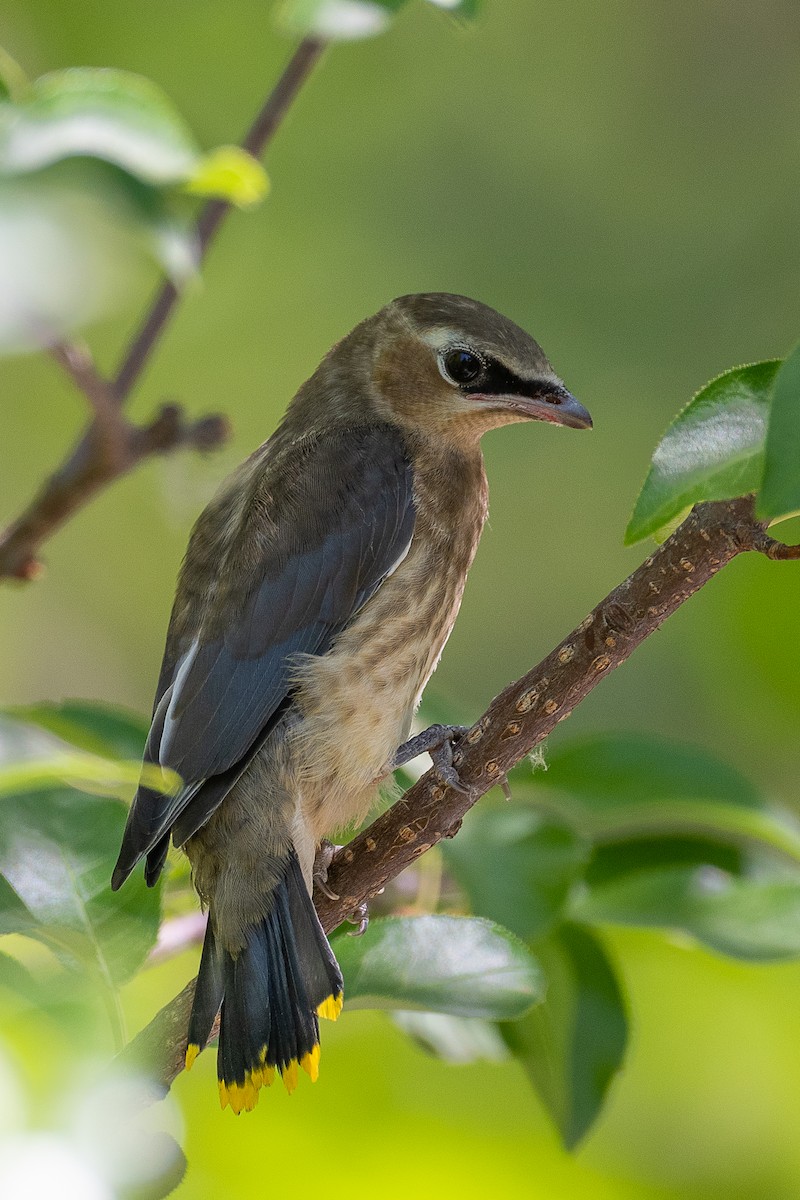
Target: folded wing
column 301, row 558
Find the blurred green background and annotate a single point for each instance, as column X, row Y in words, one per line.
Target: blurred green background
column 621, row 179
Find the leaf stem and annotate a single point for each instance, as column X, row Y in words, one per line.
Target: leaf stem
column 116, row 1014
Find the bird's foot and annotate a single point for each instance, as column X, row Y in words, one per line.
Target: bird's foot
column 436, row 740
column 324, row 857
column 322, row 861
column 360, row 917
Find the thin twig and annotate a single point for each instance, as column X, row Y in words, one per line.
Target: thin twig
column 109, row 424
column 256, row 141
column 110, row 446
column 515, row 722
column 773, row 548
column 88, row 470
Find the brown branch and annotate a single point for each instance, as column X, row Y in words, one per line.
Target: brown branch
column 109, row 446
column 90, row 468
column 515, row 722
column 110, row 427
column 773, row 548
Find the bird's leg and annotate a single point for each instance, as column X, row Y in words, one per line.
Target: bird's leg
column 436, row 740
column 323, row 859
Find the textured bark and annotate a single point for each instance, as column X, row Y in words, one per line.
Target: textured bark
column 514, row 724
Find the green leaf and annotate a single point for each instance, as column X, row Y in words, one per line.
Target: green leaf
column 614, row 859
column 609, row 770
column 14, row 916
column 232, row 174
column 125, row 120
column 780, row 489
column 753, row 919
column 83, row 771
column 31, row 758
column 96, row 170
column 70, row 1009
column 515, row 866
column 720, row 822
column 57, row 851
column 337, row 20
column 713, row 450
column 617, row 788
column 456, row 965
column 101, row 113
column 102, row 729
column 456, row 1040
column 16, row 978
column 573, row 1045
column 13, row 81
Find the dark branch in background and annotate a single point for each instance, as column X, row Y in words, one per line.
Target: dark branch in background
column 256, row 142
column 515, row 722
column 110, row 446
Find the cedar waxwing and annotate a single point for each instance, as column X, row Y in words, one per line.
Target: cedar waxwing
column 319, row 588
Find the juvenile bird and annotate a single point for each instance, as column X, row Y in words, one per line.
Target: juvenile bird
column 318, row 590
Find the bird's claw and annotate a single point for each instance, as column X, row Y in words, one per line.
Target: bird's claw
column 322, row 861
column 324, row 857
column 442, row 759
column 436, row 740
column 360, row 917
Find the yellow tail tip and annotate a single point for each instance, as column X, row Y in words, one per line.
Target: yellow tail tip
column 244, row 1096
column 192, row 1051
column 331, row 1006
column 289, row 1074
column 250, row 1092
column 236, row 1097
column 310, row 1064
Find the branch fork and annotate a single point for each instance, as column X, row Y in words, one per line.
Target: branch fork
column 110, row 446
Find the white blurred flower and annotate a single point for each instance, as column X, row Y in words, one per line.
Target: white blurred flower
column 65, row 259
column 39, row 1166
column 124, row 1140
column 104, row 1141
column 339, row 20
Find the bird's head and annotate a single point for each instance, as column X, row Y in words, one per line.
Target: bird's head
column 458, row 368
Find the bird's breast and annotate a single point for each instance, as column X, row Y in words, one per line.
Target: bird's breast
column 357, row 701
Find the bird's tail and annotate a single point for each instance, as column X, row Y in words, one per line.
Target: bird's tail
column 272, row 994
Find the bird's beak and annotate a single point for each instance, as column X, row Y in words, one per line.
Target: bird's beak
column 548, row 402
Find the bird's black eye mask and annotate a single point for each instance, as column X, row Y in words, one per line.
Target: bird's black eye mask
column 475, row 374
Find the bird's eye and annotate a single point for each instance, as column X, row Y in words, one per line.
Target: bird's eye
column 462, row 366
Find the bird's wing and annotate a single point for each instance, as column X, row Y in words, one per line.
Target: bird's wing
column 341, row 517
